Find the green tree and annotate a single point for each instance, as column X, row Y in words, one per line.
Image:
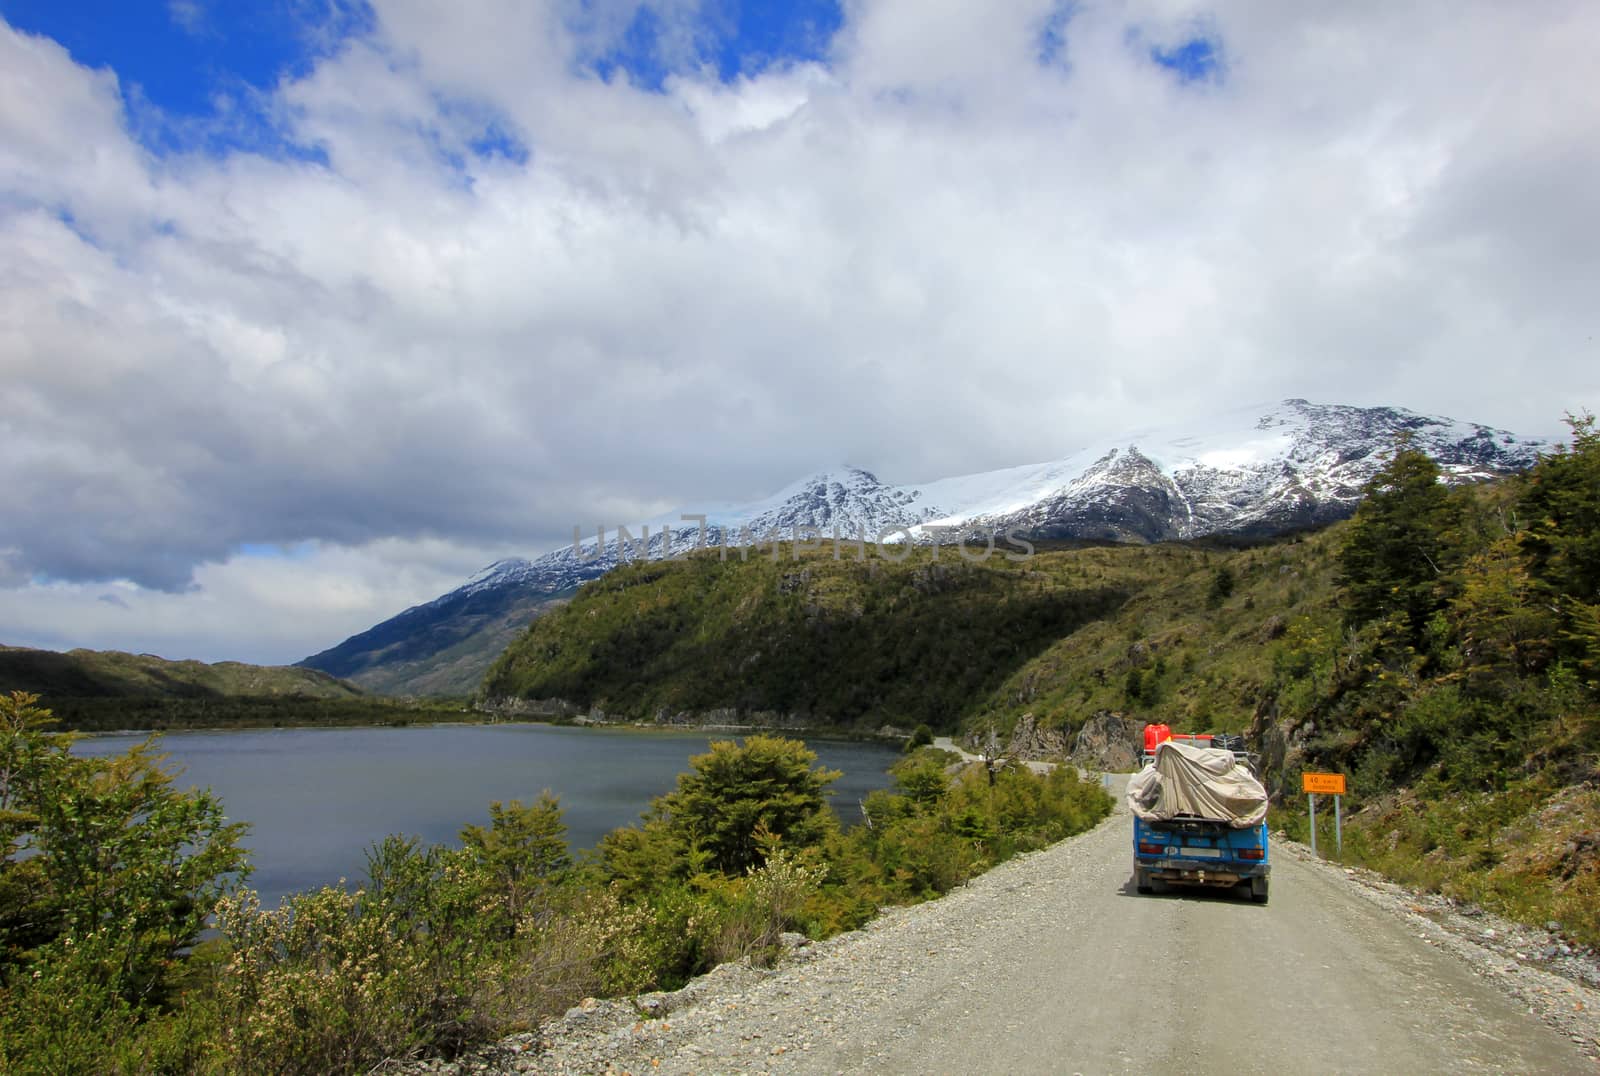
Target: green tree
column 523, row 850
column 1584, row 635
column 737, row 793
column 104, row 868
column 1501, row 625
column 1133, row 687
column 1399, row 545
column 1561, row 507
column 1222, row 583
column 921, row 736
column 922, row 778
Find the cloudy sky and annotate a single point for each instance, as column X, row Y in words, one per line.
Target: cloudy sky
column 308, row 313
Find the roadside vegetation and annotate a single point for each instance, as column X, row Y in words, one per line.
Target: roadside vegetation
column 109, row 877
column 1459, row 685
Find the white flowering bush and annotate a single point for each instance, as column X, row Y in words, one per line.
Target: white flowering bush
column 319, row 985
column 751, row 912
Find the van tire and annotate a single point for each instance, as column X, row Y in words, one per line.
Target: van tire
column 1258, row 890
column 1141, row 881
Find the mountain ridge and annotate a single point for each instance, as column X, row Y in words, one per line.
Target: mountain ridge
column 1251, row 472
column 83, row 673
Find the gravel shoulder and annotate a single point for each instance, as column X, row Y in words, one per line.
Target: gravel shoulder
column 1052, row 963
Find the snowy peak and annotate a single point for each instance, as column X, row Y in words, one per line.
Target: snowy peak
column 1254, row 471
column 1257, row 470
column 501, row 573
column 850, row 500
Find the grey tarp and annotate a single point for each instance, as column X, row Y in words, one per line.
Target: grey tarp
column 1200, row 782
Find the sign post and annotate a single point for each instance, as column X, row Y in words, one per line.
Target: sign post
column 1331, row 784
column 1311, row 799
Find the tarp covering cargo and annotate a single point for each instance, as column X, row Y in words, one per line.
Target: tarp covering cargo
column 1197, row 782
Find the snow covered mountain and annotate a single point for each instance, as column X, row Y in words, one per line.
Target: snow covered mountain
column 1253, row 472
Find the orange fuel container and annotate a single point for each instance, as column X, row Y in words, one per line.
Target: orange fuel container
column 1155, row 734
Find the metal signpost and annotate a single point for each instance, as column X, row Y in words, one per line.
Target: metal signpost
column 1327, row 784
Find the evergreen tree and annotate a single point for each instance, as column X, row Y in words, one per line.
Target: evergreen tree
column 1221, row 587
column 1584, row 637
column 1561, row 507
column 523, row 849
column 921, row 736
column 1399, row 545
column 736, row 795
column 1133, row 688
column 103, row 852
column 1500, row 623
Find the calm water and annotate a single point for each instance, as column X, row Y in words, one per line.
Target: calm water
column 316, row 799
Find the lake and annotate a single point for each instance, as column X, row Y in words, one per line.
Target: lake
column 316, row 799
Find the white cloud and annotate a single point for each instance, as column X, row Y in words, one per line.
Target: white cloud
column 930, row 254
column 189, row 14
column 268, row 609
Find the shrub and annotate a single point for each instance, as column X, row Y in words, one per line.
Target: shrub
column 524, row 850
column 751, row 912
column 107, row 876
column 736, row 791
column 320, row 985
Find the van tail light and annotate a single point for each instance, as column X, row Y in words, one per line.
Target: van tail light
column 1147, row 849
column 1252, row 853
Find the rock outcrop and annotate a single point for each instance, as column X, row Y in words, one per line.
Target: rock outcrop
column 1108, row 741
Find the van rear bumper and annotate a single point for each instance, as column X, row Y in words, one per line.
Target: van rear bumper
column 1201, row 872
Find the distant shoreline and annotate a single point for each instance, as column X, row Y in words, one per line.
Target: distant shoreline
column 813, row 733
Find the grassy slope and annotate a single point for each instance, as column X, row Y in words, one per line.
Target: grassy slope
column 1202, row 664
column 950, row 643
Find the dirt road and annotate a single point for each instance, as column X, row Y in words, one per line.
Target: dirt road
column 1052, row 963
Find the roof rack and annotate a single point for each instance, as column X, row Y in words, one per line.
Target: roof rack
column 1229, row 742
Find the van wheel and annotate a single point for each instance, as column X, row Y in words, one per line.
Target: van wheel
column 1141, row 881
column 1258, row 890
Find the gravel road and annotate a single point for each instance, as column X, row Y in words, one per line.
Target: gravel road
column 1052, row 963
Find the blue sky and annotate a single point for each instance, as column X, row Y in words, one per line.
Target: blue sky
column 178, row 56
column 729, row 37
column 318, row 307
column 192, row 71
column 183, row 66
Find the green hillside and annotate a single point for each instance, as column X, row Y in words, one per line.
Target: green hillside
column 108, row 689
column 957, row 645
column 811, row 639
column 112, row 673
column 1194, row 646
